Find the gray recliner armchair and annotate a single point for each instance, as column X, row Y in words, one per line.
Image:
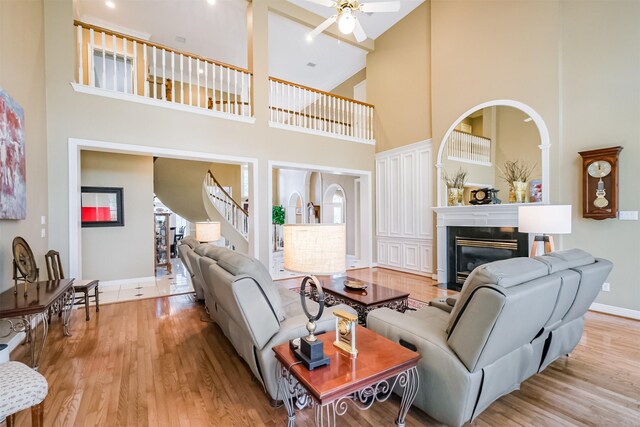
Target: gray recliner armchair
column 511, row 320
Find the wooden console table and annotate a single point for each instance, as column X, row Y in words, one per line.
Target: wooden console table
column 380, row 366
column 28, row 313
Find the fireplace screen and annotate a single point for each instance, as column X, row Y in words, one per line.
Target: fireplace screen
column 471, row 253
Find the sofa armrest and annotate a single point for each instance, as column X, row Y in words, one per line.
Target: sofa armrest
column 445, row 303
column 447, row 389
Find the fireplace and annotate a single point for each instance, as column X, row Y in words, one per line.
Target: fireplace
column 470, row 247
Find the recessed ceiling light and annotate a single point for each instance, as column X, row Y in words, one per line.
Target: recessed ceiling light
column 181, row 39
column 211, row 2
column 309, row 38
column 311, row 64
column 110, row 4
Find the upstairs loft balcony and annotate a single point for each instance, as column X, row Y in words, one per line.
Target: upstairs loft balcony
column 121, row 66
column 301, row 108
column 125, row 67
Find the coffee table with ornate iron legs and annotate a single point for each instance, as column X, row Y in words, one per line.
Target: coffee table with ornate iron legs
column 380, row 366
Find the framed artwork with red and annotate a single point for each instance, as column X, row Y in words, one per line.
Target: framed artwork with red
column 102, row 207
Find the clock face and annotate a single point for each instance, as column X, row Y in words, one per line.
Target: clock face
column 599, row 169
column 481, row 195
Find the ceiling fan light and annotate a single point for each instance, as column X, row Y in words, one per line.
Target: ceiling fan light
column 346, row 22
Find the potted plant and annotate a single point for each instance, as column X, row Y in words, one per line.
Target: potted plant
column 455, row 186
column 277, row 218
column 516, row 174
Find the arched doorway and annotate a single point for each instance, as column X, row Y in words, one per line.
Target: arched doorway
column 294, row 211
column 335, row 205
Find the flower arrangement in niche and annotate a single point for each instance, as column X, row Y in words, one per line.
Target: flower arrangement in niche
column 516, row 173
column 455, row 186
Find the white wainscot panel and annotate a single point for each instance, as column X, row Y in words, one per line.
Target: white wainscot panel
column 408, row 189
column 426, row 258
column 411, row 259
column 382, row 197
column 383, row 253
column 395, row 254
column 425, row 188
column 394, row 199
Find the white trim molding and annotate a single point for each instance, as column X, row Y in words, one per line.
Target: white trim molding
column 301, row 129
column 159, row 103
column 617, row 311
column 77, row 144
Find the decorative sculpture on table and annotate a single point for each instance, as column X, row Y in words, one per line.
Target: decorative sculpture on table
column 346, row 332
column 313, row 249
column 24, row 265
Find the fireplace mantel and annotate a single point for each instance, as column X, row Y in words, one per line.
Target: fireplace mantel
column 504, row 215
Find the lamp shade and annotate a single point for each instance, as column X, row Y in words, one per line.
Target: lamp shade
column 207, row 231
column 315, row 248
column 544, row 219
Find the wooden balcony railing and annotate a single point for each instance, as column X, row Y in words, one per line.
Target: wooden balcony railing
column 121, row 63
column 467, row 148
column 298, row 106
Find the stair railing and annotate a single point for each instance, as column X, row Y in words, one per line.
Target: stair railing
column 226, row 206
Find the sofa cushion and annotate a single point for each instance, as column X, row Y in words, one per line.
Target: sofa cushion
column 214, row 252
column 190, row 241
column 563, row 260
column 505, row 274
column 238, row 264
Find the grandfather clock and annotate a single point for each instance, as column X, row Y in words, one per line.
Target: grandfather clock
column 600, row 183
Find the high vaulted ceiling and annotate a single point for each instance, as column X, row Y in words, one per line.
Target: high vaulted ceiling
column 219, row 31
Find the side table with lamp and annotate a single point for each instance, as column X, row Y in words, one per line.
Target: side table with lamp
column 544, row 220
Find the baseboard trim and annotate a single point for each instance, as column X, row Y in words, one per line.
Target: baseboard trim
column 404, row 270
column 616, row 311
column 120, row 282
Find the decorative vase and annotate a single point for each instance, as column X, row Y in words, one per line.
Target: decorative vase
column 455, row 196
column 520, row 191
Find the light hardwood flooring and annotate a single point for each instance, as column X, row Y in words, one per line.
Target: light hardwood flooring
column 153, row 362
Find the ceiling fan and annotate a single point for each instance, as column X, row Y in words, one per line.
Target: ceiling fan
column 347, row 22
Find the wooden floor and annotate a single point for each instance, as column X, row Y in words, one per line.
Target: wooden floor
column 154, row 362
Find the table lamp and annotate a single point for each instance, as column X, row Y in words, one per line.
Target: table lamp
column 207, row 232
column 314, row 249
column 543, row 220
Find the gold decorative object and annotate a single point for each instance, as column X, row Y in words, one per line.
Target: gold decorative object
column 455, row 186
column 346, row 332
column 520, row 190
column 355, row 284
column 517, row 173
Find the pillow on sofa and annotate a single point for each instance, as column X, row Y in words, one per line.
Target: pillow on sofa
column 239, row 264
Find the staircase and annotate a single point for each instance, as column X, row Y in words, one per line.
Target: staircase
column 190, row 190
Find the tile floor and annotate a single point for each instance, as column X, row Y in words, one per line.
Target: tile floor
column 176, row 283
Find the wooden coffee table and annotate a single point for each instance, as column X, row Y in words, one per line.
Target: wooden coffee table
column 362, row 301
column 380, row 366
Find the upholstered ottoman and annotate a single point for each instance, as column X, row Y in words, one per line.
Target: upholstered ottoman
column 20, row 388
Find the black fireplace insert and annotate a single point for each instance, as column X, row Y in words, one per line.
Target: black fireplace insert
column 470, row 247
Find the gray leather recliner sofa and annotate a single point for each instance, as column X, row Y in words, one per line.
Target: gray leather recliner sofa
column 187, row 253
column 511, row 320
column 252, row 311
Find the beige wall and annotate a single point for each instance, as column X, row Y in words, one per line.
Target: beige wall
column 229, row 175
column 22, row 76
column 549, row 56
column 345, row 89
column 398, row 81
column 173, row 129
column 601, row 108
column 112, row 253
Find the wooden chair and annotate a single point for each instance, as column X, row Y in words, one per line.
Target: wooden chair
column 21, row 388
column 55, row 272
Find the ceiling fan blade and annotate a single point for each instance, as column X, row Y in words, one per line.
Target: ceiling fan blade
column 359, row 33
column 327, row 3
column 320, row 28
column 383, row 6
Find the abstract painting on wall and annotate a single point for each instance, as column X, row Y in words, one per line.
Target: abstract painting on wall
column 13, row 185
